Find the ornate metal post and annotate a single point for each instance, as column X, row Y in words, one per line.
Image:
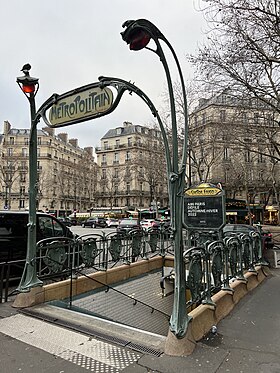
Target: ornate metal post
column 29, row 87
column 138, row 34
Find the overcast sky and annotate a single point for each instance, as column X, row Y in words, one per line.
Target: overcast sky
column 71, row 43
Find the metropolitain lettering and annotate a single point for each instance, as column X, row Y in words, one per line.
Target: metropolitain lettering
column 80, row 106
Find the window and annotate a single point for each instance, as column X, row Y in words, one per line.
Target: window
column 8, row 177
column 261, row 158
column 104, row 159
column 49, row 227
column 22, row 190
column 226, row 176
column 10, row 166
column 106, row 146
column 103, row 173
column 10, row 152
column 226, row 154
column 127, row 172
column 24, row 152
column 23, row 165
column 21, row 203
column 39, row 141
column 12, row 140
column 26, row 141
column 127, row 156
column 256, row 118
column 127, row 187
column 223, row 99
column 261, row 175
column 116, row 175
column 203, row 118
column 269, row 120
column 22, row 177
column 244, row 117
column 222, row 115
column 129, row 141
column 247, row 156
column 116, row 158
column 117, row 145
column 38, row 152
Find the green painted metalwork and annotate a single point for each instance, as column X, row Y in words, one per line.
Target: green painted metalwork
column 89, row 251
column 217, row 266
column 176, row 171
column 55, row 258
column 233, row 256
column 153, row 241
column 194, row 279
column 29, row 278
column 136, row 244
column 115, row 248
column 210, row 267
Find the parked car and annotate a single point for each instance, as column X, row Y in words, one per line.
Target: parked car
column 244, row 228
column 94, row 222
column 149, row 224
column 14, row 230
column 112, row 222
column 127, row 225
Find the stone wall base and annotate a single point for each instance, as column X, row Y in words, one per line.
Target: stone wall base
column 204, row 316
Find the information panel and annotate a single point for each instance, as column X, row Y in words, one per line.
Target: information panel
column 204, row 207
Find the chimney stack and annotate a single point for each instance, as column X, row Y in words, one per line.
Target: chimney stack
column 49, row 130
column 63, row 136
column 74, row 142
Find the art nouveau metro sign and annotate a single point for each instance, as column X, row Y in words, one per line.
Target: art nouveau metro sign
column 89, row 102
column 83, row 106
column 79, row 105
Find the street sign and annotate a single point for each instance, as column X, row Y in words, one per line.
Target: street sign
column 204, row 207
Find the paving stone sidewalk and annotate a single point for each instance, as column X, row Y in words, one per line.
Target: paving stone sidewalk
column 248, row 340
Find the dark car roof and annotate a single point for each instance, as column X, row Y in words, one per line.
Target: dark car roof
column 239, row 228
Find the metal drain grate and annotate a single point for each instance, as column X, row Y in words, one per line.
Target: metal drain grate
column 104, row 337
column 144, row 349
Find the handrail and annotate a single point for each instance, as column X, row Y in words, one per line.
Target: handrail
column 108, row 287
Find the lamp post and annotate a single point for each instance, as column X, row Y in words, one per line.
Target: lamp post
column 29, row 86
column 138, row 35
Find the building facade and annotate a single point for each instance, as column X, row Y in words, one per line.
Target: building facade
column 66, row 173
column 132, row 168
column 233, row 141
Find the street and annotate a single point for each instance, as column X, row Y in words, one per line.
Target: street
column 79, row 230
